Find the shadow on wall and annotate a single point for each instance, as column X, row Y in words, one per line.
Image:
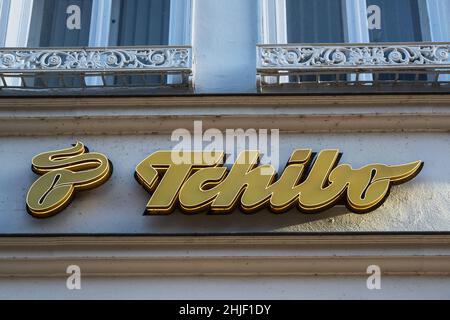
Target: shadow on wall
column 263, row 221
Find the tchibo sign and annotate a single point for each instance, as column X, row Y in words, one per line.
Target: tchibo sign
column 198, row 182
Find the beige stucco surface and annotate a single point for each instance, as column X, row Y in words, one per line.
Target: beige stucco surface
column 116, row 207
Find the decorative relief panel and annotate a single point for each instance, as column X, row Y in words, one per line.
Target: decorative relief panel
column 344, row 56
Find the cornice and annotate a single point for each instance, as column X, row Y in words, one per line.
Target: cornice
column 402, row 255
column 33, row 116
column 224, row 100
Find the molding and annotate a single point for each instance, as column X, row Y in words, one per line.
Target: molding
column 36, row 102
column 299, row 241
column 35, row 116
column 407, row 255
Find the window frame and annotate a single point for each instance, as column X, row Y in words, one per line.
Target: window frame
column 17, row 30
column 438, row 17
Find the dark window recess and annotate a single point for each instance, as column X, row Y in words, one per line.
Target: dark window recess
column 133, row 23
column 140, row 23
column 49, row 29
column 400, row 22
column 318, row 21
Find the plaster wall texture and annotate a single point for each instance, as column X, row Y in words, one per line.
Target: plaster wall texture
column 229, row 288
column 116, row 207
column 224, row 41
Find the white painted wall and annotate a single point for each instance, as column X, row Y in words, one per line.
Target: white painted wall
column 225, row 37
column 227, row 288
column 420, row 205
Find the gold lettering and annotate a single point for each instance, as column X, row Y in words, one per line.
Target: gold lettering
column 206, row 186
column 175, row 169
column 64, row 172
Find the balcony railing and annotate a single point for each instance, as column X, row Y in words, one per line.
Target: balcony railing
column 353, row 67
column 124, row 67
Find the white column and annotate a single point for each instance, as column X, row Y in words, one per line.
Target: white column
column 225, row 45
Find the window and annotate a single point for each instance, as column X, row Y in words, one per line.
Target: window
column 97, row 30
column 48, row 25
column 140, row 22
column 400, row 21
column 346, row 21
column 71, row 23
column 352, row 42
column 49, row 28
column 130, row 22
column 318, row 21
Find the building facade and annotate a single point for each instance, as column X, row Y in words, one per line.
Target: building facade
column 366, row 79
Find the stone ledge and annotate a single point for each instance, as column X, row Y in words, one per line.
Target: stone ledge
column 402, row 255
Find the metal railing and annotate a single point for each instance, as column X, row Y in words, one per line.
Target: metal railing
column 390, row 66
column 146, row 67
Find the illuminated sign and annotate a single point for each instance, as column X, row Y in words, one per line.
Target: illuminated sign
column 198, row 182
column 63, row 173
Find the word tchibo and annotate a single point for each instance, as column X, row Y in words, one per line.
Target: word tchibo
column 200, row 183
